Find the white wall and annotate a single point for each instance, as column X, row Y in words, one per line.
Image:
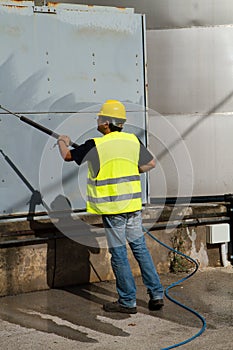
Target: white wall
column 191, row 90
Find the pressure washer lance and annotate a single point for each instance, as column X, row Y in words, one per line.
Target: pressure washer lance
column 37, row 126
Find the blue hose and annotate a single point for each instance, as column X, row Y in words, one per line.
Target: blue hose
column 174, row 300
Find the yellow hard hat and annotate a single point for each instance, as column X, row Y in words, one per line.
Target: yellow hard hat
column 114, row 109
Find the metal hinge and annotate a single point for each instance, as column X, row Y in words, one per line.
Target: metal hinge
column 44, row 9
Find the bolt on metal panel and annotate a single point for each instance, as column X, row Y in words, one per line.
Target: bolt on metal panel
column 57, row 67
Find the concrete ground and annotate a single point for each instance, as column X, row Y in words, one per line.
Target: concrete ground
column 73, row 318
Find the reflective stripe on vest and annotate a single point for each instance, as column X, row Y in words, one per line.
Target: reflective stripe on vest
column 113, row 181
column 114, row 198
column 117, row 187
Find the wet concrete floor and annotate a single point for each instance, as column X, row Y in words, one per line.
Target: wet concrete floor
column 73, row 318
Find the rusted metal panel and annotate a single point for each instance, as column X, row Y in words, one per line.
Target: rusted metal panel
column 57, row 67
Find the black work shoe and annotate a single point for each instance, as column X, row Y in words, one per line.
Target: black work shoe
column 116, row 307
column 155, row 304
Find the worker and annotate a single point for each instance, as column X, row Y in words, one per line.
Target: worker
column 114, row 191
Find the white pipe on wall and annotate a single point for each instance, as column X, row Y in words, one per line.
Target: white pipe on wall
column 224, row 252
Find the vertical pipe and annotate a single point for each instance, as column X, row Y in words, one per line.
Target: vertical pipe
column 229, row 198
column 224, row 254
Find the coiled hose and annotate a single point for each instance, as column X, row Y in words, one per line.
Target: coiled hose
column 177, row 283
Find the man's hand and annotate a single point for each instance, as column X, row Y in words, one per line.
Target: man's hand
column 147, row 167
column 65, row 139
column 63, row 143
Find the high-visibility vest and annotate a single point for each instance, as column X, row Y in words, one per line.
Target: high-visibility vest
column 117, row 187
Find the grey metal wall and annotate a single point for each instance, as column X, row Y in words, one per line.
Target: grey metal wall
column 57, row 69
column 191, row 88
column 189, row 48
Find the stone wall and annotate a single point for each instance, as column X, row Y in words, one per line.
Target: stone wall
column 36, row 257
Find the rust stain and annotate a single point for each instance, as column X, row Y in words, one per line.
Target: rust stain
column 121, row 8
column 15, row 6
column 17, row 1
column 52, row 4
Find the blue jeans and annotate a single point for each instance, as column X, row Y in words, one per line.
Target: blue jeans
column 120, row 229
